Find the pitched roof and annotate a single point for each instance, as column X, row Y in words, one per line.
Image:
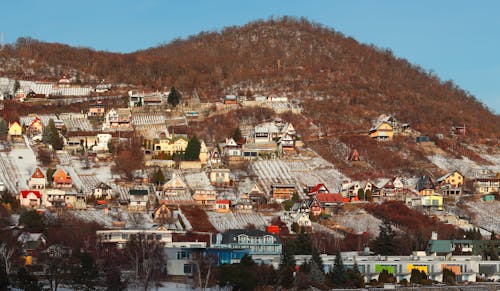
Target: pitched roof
column 38, row 174
column 138, row 192
column 329, row 198
column 222, row 201
column 442, row 178
column 317, row 188
column 25, row 193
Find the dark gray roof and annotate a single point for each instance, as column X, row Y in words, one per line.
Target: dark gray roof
column 138, row 192
column 231, row 233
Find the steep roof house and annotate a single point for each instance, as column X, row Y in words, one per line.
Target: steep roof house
column 382, row 131
column 222, row 205
column 138, row 200
column 451, row 183
column 61, row 179
column 103, row 190
column 425, row 186
column 30, row 198
column 37, row 180
column 15, row 132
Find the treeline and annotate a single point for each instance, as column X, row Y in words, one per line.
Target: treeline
column 286, row 54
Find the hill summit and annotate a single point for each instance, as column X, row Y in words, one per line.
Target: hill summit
column 341, row 83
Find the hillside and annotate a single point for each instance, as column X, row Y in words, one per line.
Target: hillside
column 351, row 82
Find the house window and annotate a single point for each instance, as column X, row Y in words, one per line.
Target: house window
column 182, row 255
column 188, row 269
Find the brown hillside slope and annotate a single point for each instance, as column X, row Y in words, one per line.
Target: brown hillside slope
column 357, row 81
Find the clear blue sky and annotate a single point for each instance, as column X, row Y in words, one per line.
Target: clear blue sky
column 457, row 39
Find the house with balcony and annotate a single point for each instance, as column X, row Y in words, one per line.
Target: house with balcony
column 486, row 185
column 117, row 119
column 61, row 179
column 138, row 200
column 451, row 183
column 257, row 241
column 53, row 198
column 37, row 180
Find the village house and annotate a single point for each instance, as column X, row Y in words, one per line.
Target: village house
column 138, row 200
column 15, row 132
column 35, row 127
column 220, row 177
column 230, row 99
column 302, row 220
column 425, row 186
column 231, row 148
column 135, row 99
column 37, row 180
column 162, row 215
column 203, row 192
column 96, row 110
column 169, row 145
column 74, row 200
column 214, row 158
column 390, row 187
column 451, row 183
column 354, row 156
column 486, row 185
column 119, row 118
column 61, row 179
column 102, row 143
column 53, row 198
column 175, row 192
column 222, row 205
column 103, row 191
column 244, row 204
column 30, row 198
column 252, row 190
column 433, row 202
column 281, row 192
column 381, row 131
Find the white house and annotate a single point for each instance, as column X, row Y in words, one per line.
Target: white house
column 37, row 180
column 30, row 198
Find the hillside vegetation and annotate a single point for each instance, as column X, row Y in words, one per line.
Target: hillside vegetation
column 341, row 83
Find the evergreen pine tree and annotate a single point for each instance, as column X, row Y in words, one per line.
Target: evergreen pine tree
column 55, row 138
column 286, row 268
column 158, row 177
column 316, row 258
column 193, row 150
column 46, row 135
column 385, row 243
column 237, row 134
column 17, row 86
column 338, row 276
column 355, row 277
column 3, row 128
column 174, row 97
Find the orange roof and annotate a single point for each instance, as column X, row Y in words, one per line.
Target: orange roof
column 38, row 174
column 223, row 201
column 329, row 197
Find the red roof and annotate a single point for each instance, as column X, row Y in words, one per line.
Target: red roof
column 25, row 193
column 38, row 174
column 35, row 120
column 329, row 198
column 223, row 201
column 317, row 188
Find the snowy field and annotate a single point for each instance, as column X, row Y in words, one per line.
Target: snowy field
column 487, row 214
column 132, row 220
column 359, row 221
column 225, row 221
column 16, row 167
column 300, row 171
column 77, row 123
column 466, row 166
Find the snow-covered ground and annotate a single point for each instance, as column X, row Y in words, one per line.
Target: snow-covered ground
column 466, row 166
column 235, row 220
column 106, row 218
column 301, row 171
column 16, row 167
column 487, row 214
column 359, row 221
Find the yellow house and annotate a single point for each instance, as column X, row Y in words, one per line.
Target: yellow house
column 454, row 179
column 382, row 131
column 434, row 201
column 170, row 146
column 15, row 130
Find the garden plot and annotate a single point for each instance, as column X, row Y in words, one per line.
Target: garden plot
column 148, row 119
column 22, row 162
column 225, row 221
column 76, row 123
column 106, row 218
column 299, row 171
column 8, row 173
